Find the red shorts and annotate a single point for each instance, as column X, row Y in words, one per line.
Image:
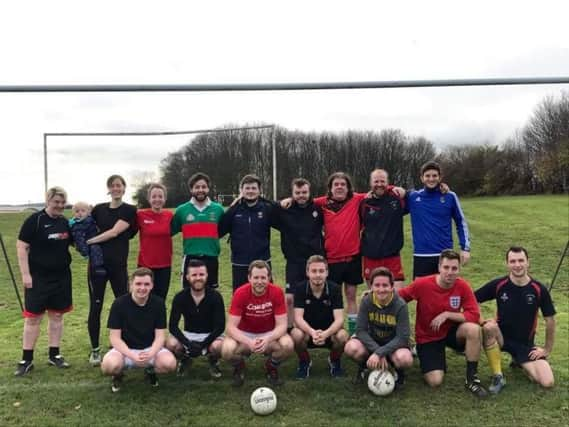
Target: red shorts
column 392, row 262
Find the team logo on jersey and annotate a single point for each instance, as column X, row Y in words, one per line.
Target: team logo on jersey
column 418, row 199
column 190, row 217
column 260, row 215
column 442, row 199
column 212, row 216
column 454, row 301
column 530, row 299
column 326, row 302
column 47, row 225
column 394, row 204
column 307, row 302
column 58, row 236
column 149, row 221
column 315, row 214
column 504, row 297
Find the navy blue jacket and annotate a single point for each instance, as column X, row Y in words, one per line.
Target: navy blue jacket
column 83, row 230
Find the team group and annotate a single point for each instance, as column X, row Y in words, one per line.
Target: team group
column 328, row 242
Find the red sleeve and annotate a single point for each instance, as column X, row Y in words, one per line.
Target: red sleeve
column 320, row 201
column 408, row 293
column 360, row 196
column 236, row 307
column 279, row 301
column 471, row 310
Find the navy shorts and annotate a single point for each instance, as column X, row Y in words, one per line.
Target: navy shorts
column 295, row 273
column 425, row 266
column 346, row 272
column 432, row 355
column 48, row 292
column 519, row 351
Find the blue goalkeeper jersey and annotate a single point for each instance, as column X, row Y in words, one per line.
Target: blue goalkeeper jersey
column 432, row 213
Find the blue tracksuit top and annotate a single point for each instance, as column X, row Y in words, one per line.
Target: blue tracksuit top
column 432, row 213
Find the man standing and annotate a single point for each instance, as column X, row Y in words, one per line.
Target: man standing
column 204, row 321
column 257, row 324
column 432, row 213
column 518, row 298
column 447, row 316
column 198, row 221
column 319, row 318
column 382, row 336
column 44, row 259
column 382, row 228
column 248, row 222
column 137, row 323
column 301, row 237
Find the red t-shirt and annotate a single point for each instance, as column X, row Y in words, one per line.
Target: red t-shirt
column 432, row 300
column 155, row 239
column 341, row 228
column 257, row 312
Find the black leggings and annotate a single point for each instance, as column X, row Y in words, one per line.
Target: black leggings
column 97, row 279
column 161, row 281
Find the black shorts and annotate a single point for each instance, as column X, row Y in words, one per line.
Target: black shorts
column 432, row 355
column 425, row 266
column 327, row 344
column 346, row 272
column 211, row 264
column 295, row 273
column 519, row 351
column 48, row 292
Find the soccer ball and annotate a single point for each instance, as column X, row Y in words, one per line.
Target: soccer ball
column 381, row 383
column 263, row 401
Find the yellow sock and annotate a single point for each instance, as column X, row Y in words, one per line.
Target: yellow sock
column 494, row 356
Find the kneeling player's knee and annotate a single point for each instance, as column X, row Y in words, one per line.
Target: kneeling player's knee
column 165, row 362
column 434, row 380
column 402, row 358
column 471, row 331
column 228, row 349
column 548, row 382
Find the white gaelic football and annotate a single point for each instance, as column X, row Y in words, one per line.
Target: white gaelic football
column 381, row 383
column 263, row 401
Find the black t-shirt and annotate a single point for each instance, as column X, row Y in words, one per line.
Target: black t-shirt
column 137, row 323
column 206, row 317
column 115, row 251
column 49, row 239
column 319, row 312
column 517, row 307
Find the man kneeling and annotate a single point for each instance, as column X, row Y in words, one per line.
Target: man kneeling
column 382, row 335
column 137, row 323
column 257, row 324
column 319, row 317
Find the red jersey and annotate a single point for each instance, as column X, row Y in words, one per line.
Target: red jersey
column 341, row 228
column 155, row 239
column 257, row 312
column 432, row 300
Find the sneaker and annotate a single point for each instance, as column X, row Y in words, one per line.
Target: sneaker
column 23, row 367
column 475, row 387
column 272, row 374
column 497, row 384
column 95, row 357
column 116, row 382
column 214, row 370
column 239, row 375
column 183, row 366
column 58, row 361
column 414, row 350
column 359, row 378
column 336, row 370
column 303, row 370
column 150, row 376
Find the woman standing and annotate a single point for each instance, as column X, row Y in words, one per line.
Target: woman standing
column 155, row 239
column 43, row 258
column 117, row 223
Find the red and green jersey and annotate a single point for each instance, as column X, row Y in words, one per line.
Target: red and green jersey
column 199, row 228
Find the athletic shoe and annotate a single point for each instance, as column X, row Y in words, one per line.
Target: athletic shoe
column 303, row 370
column 150, row 376
column 239, row 375
column 497, row 384
column 272, row 374
column 214, row 370
column 183, row 366
column 116, row 382
column 95, row 357
column 359, row 378
column 475, row 387
column 414, row 350
column 336, row 370
column 23, row 367
column 58, row 361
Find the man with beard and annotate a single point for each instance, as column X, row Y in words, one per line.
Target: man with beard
column 382, row 228
column 301, row 237
column 318, row 318
column 248, row 223
column 257, row 324
column 204, row 321
column 518, row 298
column 198, row 221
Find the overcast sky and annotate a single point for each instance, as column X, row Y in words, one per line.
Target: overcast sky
column 258, row 42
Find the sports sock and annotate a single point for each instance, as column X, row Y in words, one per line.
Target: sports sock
column 494, row 356
column 28, row 355
column 471, row 370
column 274, row 362
column 53, row 351
column 304, row 356
column 352, row 323
column 335, row 355
column 94, row 349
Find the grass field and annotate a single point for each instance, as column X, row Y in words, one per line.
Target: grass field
column 82, row 396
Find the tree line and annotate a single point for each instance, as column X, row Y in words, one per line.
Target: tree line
column 533, row 160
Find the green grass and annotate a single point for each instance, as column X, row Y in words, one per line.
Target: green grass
column 81, row 395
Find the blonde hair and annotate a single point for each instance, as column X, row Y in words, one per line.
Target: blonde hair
column 55, row 191
column 80, row 205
